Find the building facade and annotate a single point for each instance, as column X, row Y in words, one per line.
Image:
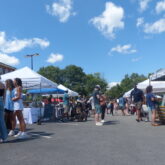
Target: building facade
column 4, row 68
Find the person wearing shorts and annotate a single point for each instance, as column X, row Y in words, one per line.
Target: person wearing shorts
column 18, row 108
column 137, row 98
column 151, row 104
column 96, row 99
column 122, row 103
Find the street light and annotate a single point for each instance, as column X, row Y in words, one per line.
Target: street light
column 31, row 56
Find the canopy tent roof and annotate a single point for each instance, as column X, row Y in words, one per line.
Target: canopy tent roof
column 30, row 79
column 158, row 76
column 46, row 91
column 70, row 92
column 158, row 87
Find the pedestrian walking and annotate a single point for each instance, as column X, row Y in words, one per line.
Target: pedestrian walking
column 111, row 107
column 122, row 103
column 103, row 107
column 96, row 99
column 137, row 98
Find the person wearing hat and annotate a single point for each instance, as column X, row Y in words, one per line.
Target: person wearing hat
column 96, row 99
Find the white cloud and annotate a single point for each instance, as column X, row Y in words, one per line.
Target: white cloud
column 160, row 6
column 53, row 58
column 110, row 20
column 16, row 45
column 10, row 60
column 156, row 27
column 62, row 9
column 144, row 4
column 136, row 59
column 139, row 22
column 125, row 49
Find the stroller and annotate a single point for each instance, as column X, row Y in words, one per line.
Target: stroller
column 79, row 112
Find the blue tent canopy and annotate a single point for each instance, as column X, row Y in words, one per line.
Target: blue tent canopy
column 46, row 91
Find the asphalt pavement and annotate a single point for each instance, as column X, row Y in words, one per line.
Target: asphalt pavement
column 121, row 141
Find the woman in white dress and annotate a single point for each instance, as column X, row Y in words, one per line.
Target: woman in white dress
column 18, row 108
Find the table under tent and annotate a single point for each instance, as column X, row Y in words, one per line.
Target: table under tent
column 31, row 80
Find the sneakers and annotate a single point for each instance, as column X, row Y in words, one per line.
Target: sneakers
column 102, row 121
column 11, row 133
column 23, row 135
column 147, row 120
column 99, row 124
column 18, row 134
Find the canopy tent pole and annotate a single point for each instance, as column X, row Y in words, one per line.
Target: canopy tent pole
column 40, row 113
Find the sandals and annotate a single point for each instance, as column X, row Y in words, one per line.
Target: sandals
column 155, row 124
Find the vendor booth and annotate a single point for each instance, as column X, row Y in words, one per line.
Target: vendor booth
column 46, row 91
column 160, row 76
column 31, row 80
column 70, row 92
column 158, row 87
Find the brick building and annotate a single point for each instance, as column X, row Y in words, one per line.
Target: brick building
column 4, row 68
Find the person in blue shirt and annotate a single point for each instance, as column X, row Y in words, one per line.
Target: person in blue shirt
column 9, row 107
column 66, row 104
column 122, row 102
column 137, row 98
column 151, row 103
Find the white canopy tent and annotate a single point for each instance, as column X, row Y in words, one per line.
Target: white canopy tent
column 30, row 79
column 159, row 75
column 158, row 87
column 70, row 92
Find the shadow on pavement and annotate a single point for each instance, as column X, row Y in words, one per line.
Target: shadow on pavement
column 112, row 122
column 30, row 136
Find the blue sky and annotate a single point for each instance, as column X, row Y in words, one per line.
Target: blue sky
column 115, row 37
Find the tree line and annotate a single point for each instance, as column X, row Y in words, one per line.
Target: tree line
column 76, row 79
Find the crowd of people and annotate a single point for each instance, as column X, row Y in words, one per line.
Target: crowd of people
column 12, row 104
column 138, row 103
column 11, row 107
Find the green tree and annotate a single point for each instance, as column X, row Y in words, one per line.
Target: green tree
column 115, row 92
column 94, row 79
column 51, row 73
column 126, row 84
column 74, row 78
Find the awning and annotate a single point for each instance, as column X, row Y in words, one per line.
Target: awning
column 46, row 91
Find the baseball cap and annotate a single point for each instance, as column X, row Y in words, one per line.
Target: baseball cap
column 98, row 86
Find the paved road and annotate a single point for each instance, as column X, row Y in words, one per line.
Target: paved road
column 121, row 141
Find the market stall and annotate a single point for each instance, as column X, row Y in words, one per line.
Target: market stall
column 31, row 80
column 158, row 87
column 70, row 92
column 160, row 76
